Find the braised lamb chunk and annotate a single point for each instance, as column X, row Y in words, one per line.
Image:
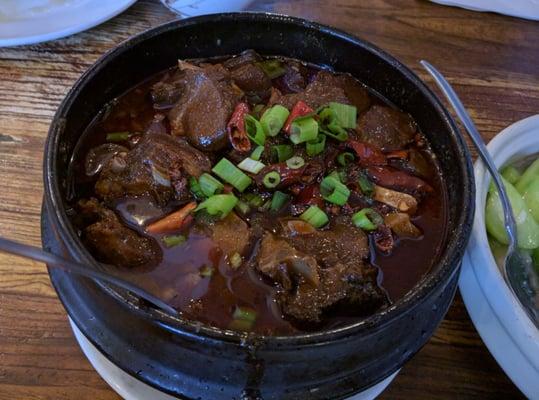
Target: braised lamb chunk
column 249, row 76
column 386, row 128
column 205, row 105
column 159, row 165
column 111, row 241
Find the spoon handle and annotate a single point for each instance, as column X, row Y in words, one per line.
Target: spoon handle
column 447, row 90
column 52, row 260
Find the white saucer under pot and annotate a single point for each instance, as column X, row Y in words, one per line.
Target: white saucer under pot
column 509, row 334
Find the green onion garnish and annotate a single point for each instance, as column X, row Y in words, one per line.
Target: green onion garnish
column 257, row 153
column 254, row 130
column 251, row 165
column 194, row 187
column 330, row 125
column 206, row 272
column 366, row 186
column 315, row 216
column 173, row 240
column 235, row 260
column 278, row 200
column 242, row 207
column 367, row 219
column 295, row 162
column 118, row 136
column 282, row 152
column 345, row 158
column 316, row 146
column 209, row 185
column 303, row 130
column 271, row 179
column 244, row 313
column 254, row 199
column 228, row 172
column 272, row 68
column 258, row 109
column 339, row 175
column 218, row 205
column 346, row 114
column 334, row 191
column 273, row 120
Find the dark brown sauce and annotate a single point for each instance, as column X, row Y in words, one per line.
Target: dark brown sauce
column 212, row 300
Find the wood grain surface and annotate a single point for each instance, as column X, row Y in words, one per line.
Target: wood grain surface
column 492, row 60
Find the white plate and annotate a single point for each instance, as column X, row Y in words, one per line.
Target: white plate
column 33, row 21
column 133, row 389
column 509, row 334
column 192, row 8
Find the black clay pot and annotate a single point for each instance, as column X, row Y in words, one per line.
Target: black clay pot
column 198, row 362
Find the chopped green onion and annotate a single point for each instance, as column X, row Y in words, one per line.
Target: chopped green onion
column 206, row 272
column 282, row 152
column 266, row 206
column 367, row 219
column 278, row 200
column 315, row 216
column 366, row 186
column 118, row 136
column 336, row 132
column 173, row 240
column 228, row 172
column 303, row 130
column 258, row 109
column 316, row 146
column 272, row 68
column 194, row 187
column 330, row 125
column 273, row 120
column 345, row 158
column 209, row 185
column 257, row 153
column 334, row 191
column 346, row 114
column 295, row 162
column 250, row 165
column 242, row 207
column 271, row 179
column 339, row 175
column 235, row 260
column 254, row 130
column 254, row 199
column 244, row 313
column 218, row 204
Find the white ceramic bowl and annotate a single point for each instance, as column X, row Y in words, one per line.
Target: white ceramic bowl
column 509, row 334
column 192, row 8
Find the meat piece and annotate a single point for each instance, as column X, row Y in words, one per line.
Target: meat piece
column 386, row 128
column 293, row 80
column 158, row 125
column 112, row 242
column 98, row 157
column 231, row 234
column 321, row 91
column 368, row 154
column 253, row 81
column 158, row 166
column 401, row 224
column 355, row 91
column 398, row 200
column 207, row 100
column 248, row 56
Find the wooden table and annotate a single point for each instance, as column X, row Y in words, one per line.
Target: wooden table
column 493, row 62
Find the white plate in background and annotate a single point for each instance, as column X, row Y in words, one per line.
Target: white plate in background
column 528, row 9
column 34, row 21
column 192, row 8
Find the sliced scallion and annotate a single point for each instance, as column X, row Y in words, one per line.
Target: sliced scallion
column 194, row 187
column 254, row 199
column 251, row 165
column 316, row 146
column 315, row 216
column 330, row 125
column 282, row 152
column 273, row 120
column 228, row 172
column 278, row 201
column 367, row 219
column 366, row 186
column 271, row 179
column 295, row 162
column 346, row 114
column 242, row 207
column 345, row 158
column 173, row 240
column 118, row 136
column 272, row 68
column 334, row 191
column 218, row 205
column 209, row 185
column 257, row 153
column 254, row 130
column 303, row 129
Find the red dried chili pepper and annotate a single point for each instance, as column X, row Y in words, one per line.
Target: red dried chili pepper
column 236, row 128
column 398, row 180
column 300, row 109
column 368, row 154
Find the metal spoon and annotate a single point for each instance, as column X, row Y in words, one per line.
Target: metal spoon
column 517, row 268
column 121, row 279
